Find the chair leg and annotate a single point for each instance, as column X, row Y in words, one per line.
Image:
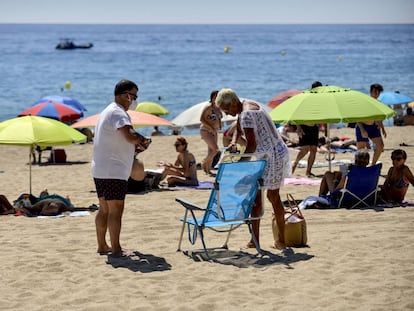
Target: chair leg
column 228, row 238
column 182, row 230
column 200, row 230
column 256, row 243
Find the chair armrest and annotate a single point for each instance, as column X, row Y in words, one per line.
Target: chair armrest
column 189, row 205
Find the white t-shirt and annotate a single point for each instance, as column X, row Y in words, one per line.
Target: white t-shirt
column 112, row 153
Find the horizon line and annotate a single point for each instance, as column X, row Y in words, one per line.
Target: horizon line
column 222, row 24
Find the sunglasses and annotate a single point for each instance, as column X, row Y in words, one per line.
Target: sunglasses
column 132, row 95
column 396, row 158
column 177, row 145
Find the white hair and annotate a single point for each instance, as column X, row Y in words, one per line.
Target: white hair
column 226, row 96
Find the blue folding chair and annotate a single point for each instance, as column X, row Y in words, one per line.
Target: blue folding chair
column 231, row 200
column 361, row 187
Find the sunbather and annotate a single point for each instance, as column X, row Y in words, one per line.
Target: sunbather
column 184, row 171
column 5, row 206
column 47, row 207
column 398, row 179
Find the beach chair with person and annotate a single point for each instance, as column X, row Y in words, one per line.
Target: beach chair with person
column 361, row 188
column 231, row 200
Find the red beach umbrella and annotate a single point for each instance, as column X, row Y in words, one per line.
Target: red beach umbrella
column 53, row 110
column 281, row 97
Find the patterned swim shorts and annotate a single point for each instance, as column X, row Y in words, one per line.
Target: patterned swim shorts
column 111, row 189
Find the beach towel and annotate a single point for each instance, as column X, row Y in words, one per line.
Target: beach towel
column 69, row 214
column 304, row 163
column 391, row 205
column 302, row 181
column 202, row 185
column 344, row 150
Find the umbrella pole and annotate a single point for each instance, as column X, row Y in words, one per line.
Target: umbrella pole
column 328, row 142
column 30, row 169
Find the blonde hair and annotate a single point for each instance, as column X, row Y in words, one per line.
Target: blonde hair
column 226, row 96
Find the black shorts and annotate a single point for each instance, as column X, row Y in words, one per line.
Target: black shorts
column 310, row 136
column 111, row 189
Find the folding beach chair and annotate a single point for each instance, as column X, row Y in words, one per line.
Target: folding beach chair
column 231, row 200
column 361, row 187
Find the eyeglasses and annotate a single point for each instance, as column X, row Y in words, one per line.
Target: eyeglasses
column 178, row 145
column 132, row 95
column 396, row 158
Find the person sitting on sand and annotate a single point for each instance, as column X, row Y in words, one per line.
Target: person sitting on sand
column 399, row 177
column 332, row 181
column 184, row 171
column 157, row 132
column 409, row 117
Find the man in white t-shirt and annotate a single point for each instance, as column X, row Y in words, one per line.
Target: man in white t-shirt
column 113, row 154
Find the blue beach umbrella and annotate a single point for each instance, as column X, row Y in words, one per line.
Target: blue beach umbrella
column 63, row 100
column 394, row 98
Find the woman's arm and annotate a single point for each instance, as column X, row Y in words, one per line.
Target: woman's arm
column 408, row 175
column 382, row 128
column 251, row 140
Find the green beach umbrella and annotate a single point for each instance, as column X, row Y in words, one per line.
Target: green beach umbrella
column 32, row 131
column 152, row 108
column 330, row 104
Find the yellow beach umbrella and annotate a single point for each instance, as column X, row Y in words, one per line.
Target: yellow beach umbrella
column 152, row 108
column 32, row 131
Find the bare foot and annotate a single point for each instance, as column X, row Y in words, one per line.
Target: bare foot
column 123, row 253
column 251, row 245
column 104, row 251
column 278, row 245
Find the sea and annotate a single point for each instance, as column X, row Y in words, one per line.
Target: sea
column 179, row 65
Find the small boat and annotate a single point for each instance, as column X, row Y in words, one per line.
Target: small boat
column 67, row 44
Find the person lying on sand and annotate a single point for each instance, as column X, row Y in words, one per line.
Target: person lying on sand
column 5, row 206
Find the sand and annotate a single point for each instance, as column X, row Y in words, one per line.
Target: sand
column 355, row 259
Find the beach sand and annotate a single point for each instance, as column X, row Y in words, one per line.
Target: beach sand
column 355, row 259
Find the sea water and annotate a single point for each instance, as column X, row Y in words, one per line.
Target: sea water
column 179, row 65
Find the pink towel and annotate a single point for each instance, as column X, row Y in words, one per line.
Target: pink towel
column 302, row 181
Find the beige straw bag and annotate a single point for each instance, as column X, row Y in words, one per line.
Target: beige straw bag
column 295, row 225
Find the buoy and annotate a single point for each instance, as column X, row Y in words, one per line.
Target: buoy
column 340, row 58
column 283, row 52
column 67, row 85
column 227, row 49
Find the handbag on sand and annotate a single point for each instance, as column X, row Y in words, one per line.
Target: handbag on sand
column 295, row 225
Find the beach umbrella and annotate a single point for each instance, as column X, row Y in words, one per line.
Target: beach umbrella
column 190, row 118
column 152, row 108
column 63, row 100
column 53, row 110
column 138, row 119
column 32, row 131
column 330, row 104
column 394, row 98
column 281, row 97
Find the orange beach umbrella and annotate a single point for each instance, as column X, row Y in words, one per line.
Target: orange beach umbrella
column 139, row 119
